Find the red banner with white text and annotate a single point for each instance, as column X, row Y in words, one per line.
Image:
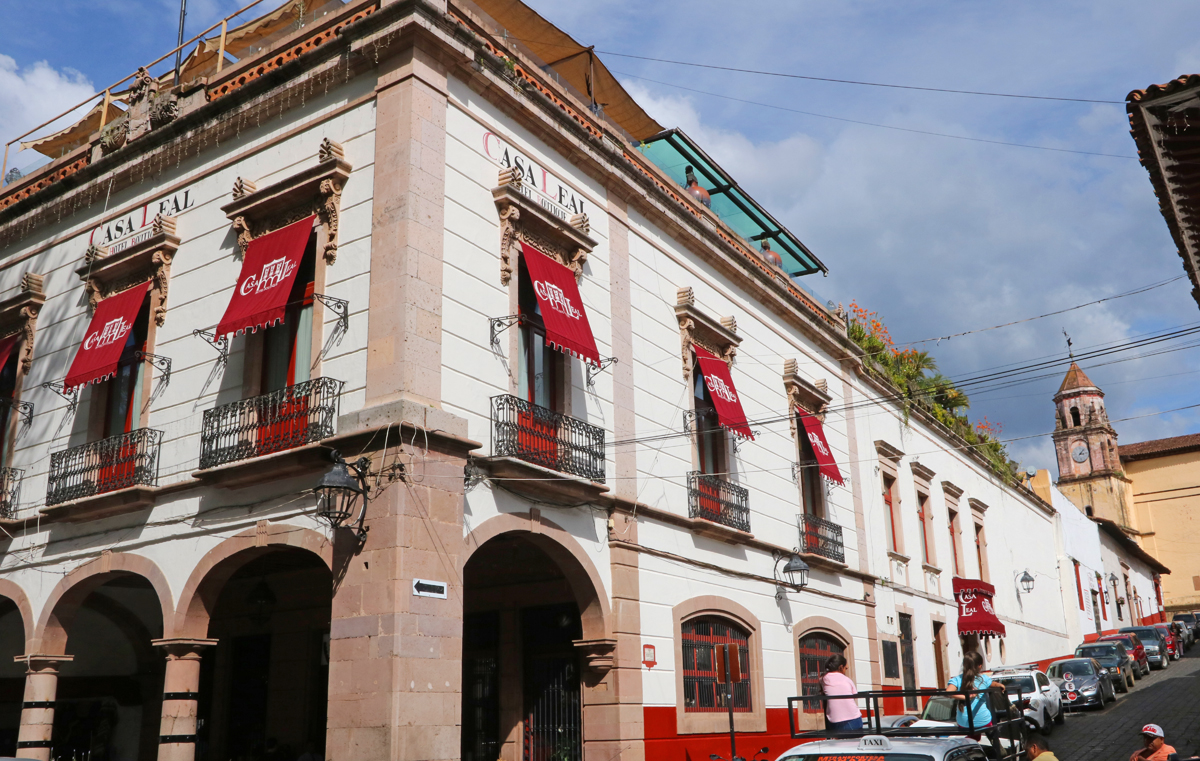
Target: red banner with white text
column 105, row 338
column 567, row 327
column 724, row 395
column 263, row 287
column 820, row 446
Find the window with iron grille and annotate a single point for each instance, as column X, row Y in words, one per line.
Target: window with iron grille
column 701, row 692
column 815, row 649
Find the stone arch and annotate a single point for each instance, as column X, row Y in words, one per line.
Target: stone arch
column 69, row 594
column 706, row 723
column 564, row 550
column 14, row 592
column 223, row 561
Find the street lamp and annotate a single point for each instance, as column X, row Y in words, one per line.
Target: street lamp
column 1027, row 582
column 338, row 493
column 796, row 571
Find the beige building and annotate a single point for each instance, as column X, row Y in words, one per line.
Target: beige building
column 1166, row 497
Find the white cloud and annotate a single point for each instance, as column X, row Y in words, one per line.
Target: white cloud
column 31, row 95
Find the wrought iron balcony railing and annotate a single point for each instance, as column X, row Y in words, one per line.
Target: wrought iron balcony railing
column 10, row 492
column 717, row 500
column 285, row 419
column 821, row 537
column 118, row 462
column 543, row 437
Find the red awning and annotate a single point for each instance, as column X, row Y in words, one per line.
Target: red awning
column 268, row 272
column 976, row 615
column 724, row 395
column 567, row 327
column 105, row 338
column 816, row 436
column 7, row 345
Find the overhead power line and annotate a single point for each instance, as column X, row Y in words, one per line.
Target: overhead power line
column 787, row 75
column 876, row 124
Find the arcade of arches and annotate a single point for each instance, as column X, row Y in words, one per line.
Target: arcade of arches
column 104, row 685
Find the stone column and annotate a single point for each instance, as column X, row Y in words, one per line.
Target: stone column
column 37, row 709
column 404, row 334
column 181, row 690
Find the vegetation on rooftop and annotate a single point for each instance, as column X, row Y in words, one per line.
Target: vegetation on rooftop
column 915, row 377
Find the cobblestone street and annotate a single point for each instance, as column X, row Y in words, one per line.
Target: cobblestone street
column 1167, row 698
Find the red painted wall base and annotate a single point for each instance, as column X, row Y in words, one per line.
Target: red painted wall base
column 663, row 743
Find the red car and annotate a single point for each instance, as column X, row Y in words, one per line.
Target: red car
column 1174, row 646
column 1136, row 650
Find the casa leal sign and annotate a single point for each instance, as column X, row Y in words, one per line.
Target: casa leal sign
column 538, row 183
column 135, row 226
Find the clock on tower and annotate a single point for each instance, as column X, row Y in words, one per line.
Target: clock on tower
column 1089, row 466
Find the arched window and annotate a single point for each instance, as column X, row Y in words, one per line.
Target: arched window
column 815, row 649
column 701, row 693
column 1075, row 417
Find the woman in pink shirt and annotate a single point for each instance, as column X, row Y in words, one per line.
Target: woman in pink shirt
column 840, row 715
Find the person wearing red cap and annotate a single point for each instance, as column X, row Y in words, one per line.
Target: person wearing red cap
column 1156, row 747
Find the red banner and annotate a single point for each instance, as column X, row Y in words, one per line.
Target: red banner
column 567, row 327
column 265, row 282
column 7, row 345
column 976, row 615
column 724, row 395
column 816, row 437
column 105, row 338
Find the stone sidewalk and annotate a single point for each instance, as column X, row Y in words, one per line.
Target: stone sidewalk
column 1168, row 698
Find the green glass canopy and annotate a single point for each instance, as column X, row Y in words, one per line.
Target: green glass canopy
column 673, row 152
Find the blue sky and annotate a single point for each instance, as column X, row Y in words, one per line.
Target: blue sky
column 937, row 235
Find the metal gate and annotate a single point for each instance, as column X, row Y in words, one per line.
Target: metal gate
column 553, row 714
column 908, row 661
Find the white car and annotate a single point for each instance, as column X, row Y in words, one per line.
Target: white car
column 889, row 749
column 1040, row 699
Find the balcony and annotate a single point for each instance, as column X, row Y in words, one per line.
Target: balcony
column 718, row 501
column 543, row 453
column 10, row 492
column 113, row 464
column 282, row 420
column 821, row 538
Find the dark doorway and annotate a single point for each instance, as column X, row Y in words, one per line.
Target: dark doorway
column 908, row 666
column 264, row 687
column 109, row 698
column 939, row 654
column 12, row 675
column 521, row 672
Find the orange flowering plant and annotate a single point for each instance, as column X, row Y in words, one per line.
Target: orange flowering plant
column 913, row 373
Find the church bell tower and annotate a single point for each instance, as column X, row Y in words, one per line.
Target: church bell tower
column 1089, row 466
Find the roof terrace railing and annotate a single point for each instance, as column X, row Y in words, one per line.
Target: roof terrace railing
column 106, row 94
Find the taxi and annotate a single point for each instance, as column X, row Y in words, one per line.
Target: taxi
column 880, row 748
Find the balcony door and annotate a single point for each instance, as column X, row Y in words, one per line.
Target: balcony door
column 122, row 397
column 8, row 393
column 540, row 369
column 286, row 362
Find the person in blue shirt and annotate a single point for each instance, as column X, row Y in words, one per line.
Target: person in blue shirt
column 971, row 678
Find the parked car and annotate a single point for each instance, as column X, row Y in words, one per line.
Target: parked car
column 1082, row 682
column 1174, row 643
column 1031, row 691
column 1135, row 648
column 1154, row 642
column 1114, row 657
column 889, row 749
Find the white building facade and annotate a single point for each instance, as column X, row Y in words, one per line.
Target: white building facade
column 364, row 244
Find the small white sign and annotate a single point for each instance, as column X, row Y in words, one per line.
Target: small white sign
column 426, row 588
column 874, row 742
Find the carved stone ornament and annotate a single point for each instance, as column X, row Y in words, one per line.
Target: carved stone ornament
column 523, row 219
column 114, row 135
column 163, row 110
column 316, row 190
column 812, row 397
column 599, row 655
column 696, row 327
column 144, row 85
column 105, row 272
column 19, row 314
